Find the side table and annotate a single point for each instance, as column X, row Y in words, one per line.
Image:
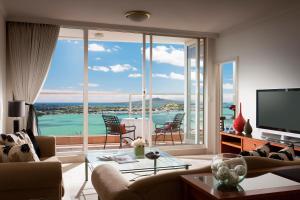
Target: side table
column 275, row 186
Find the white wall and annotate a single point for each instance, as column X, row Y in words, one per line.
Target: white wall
column 269, row 57
column 2, row 74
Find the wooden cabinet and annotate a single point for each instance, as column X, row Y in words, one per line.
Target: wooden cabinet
column 251, row 144
column 235, row 143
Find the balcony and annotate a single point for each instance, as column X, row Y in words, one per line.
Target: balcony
column 65, row 120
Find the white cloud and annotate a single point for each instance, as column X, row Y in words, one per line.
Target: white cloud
column 114, row 68
column 98, row 47
column 99, row 68
column 121, row 68
column 227, row 86
column 176, row 76
column 172, row 75
column 135, row 75
column 117, row 47
column 91, row 84
column 167, row 55
column 160, row 76
column 98, row 58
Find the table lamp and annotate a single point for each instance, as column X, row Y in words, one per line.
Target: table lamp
column 16, row 109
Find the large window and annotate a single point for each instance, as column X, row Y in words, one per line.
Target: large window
column 118, row 75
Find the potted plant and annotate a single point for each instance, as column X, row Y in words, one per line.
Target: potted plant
column 139, row 147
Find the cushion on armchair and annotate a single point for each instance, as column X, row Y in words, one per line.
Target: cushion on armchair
column 286, row 153
column 17, row 147
column 262, row 151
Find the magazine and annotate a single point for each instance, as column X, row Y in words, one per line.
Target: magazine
column 121, row 159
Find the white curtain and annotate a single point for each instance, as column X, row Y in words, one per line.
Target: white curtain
column 30, row 48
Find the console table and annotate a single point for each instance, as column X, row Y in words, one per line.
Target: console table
column 237, row 142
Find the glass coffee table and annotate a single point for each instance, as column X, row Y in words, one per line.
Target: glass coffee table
column 135, row 164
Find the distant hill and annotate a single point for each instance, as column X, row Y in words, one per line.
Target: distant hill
column 157, row 102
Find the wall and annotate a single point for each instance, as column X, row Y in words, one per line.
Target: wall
column 269, row 57
column 2, row 73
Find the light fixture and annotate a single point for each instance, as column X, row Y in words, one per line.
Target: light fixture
column 137, row 15
column 99, row 35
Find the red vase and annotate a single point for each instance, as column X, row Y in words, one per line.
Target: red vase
column 239, row 122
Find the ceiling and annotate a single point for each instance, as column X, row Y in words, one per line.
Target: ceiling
column 212, row 16
column 77, row 34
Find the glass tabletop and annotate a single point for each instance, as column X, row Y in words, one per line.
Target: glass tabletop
column 265, row 181
column 134, row 164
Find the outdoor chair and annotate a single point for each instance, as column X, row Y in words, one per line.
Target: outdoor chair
column 170, row 127
column 114, row 127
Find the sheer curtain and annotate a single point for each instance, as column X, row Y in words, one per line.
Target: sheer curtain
column 29, row 49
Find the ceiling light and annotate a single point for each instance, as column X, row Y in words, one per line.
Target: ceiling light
column 137, row 15
column 98, row 35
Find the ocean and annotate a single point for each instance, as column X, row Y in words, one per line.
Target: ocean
column 66, row 119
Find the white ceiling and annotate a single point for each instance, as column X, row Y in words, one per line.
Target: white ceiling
column 77, row 34
column 213, row 16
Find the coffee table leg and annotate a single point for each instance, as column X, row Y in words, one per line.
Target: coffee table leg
column 86, row 170
column 186, row 167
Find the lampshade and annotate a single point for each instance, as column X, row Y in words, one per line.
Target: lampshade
column 16, row 109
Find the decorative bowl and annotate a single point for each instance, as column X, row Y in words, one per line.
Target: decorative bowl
column 229, row 169
column 153, row 155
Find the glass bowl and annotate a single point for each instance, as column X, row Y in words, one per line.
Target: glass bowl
column 229, row 169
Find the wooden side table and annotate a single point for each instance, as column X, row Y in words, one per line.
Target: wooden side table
column 264, row 187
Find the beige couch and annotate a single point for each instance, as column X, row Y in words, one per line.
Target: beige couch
column 110, row 184
column 33, row 180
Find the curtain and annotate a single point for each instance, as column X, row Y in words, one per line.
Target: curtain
column 29, row 49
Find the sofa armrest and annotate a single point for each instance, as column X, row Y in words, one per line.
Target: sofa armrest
column 30, row 175
column 110, row 184
column 47, row 145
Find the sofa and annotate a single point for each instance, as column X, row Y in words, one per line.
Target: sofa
column 110, row 184
column 33, row 180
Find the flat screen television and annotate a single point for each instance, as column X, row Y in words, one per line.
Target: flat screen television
column 278, row 109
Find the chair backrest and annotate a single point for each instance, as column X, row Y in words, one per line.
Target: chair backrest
column 177, row 121
column 222, row 124
column 112, row 123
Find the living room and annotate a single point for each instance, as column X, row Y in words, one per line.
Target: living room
column 174, row 76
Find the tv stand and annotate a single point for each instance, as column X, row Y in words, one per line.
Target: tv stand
column 237, row 142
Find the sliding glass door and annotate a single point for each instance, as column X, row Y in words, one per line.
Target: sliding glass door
column 145, row 80
column 175, row 88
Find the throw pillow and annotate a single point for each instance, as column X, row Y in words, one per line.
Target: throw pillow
column 11, row 139
column 262, row 151
column 33, row 141
column 22, row 153
column 17, row 153
column 286, row 153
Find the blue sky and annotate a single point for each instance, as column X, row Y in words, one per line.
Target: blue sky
column 114, row 67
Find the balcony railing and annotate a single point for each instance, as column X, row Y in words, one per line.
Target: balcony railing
column 54, row 116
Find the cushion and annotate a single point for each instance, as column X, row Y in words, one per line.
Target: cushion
column 123, row 128
column 119, row 128
column 33, row 141
column 17, row 147
column 22, row 153
column 262, row 151
column 17, row 153
column 287, row 154
column 11, row 139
